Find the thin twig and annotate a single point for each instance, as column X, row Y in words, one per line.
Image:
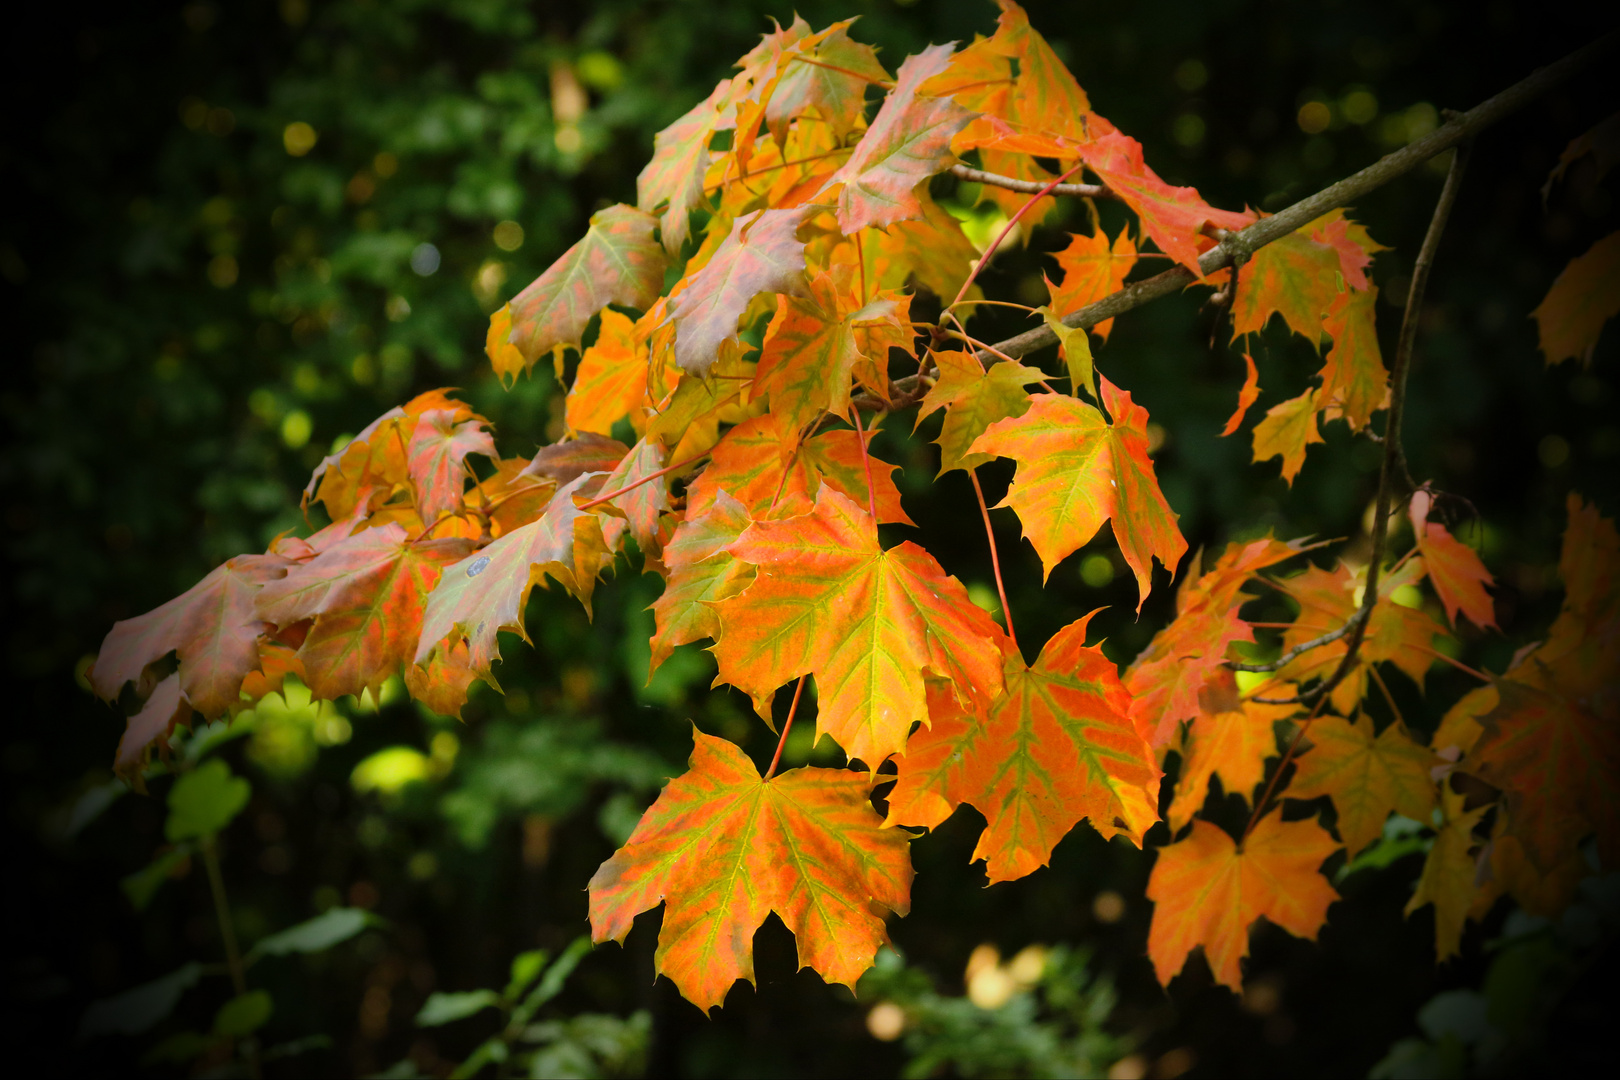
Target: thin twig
column 1299, row 650
column 1032, row 187
column 1455, row 131
column 1012, row 222
column 787, row 726
column 649, row 478
column 995, row 559
column 1299, row 736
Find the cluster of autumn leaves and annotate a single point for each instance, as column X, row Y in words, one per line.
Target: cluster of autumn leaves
column 751, row 489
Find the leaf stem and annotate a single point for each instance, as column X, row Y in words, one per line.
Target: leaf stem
column 227, row 934
column 649, row 478
column 1271, row 787
column 787, row 726
column 995, row 559
column 866, row 461
column 1005, row 229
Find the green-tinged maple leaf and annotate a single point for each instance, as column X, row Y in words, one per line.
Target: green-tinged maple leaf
column 642, row 505
column 566, row 461
column 1074, row 346
column 1207, row 891
column 1295, row 277
column 1173, row 217
column 1366, row 775
column 700, row 573
column 1057, row 746
column 931, row 252
column 437, row 460
column 616, row 262
column 212, row 627
column 1449, row 873
column 1582, row 298
column 1092, row 269
column 816, row 345
column 761, row 254
column 689, row 420
column 827, row 82
column 1247, row 396
column 722, row 849
column 1353, row 377
column 680, row 160
column 763, row 464
column 1286, row 431
column 1327, row 598
column 1076, row 470
column 909, row 141
column 374, row 461
column 1229, row 738
column 1456, row 572
column 611, row 379
column 870, row 624
column 163, row 710
column 366, row 596
column 1557, row 759
column 1354, row 245
column 1165, row 680
column 973, row 399
column 485, row 592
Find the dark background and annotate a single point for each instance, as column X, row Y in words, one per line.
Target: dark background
column 152, row 411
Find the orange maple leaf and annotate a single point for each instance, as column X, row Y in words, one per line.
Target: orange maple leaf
column 1230, row 738
column 1076, row 470
column 1295, row 277
column 1207, row 891
column 1247, row 396
column 869, row 624
column 373, row 462
column 436, row 460
column 909, row 141
column 701, row 572
column 1456, row 572
column 973, row 399
column 611, row 379
column 1354, row 245
column 366, row 596
column 722, row 849
column 762, row 253
column 1584, row 297
column 1353, row 376
column 1366, row 775
column 212, row 627
column 1091, row 270
column 1287, row 431
column 615, row 262
column 1058, row 746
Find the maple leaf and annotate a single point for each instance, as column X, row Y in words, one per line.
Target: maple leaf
column 485, row 592
column 1455, row 571
column 642, row 505
column 829, row 82
column 1076, row 470
column 437, row 460
column 1354, row 245
column 762, row 463
column 909, row 141
column 373, row 463
column 1543, row 893
column 212, row 627
column 1173, row 217
column 1602, row 142
column 504, row 357
column 701, row 572
column 1246, row 396
column 1558, row 763
column 1585, row 295
column 722, row 849
column 931, row 252
column 869, row 624
column 815, row 344
column 615, row 262
column 1353, row 377
column 1092, row 269
column 611, row 379
column 1366, row 775
column 366, row 595
column 973, row 399
column 762, row 253
column 1287, row 431
column 1207, row 891
column 566, row 461
column 1230, row 738
column 1058, row 746
column 444, row 681
column 1074, row 347
column 163, row 709
column 679, row 162
column 1293, row 276
column 1449, row 873
column 1165, row 680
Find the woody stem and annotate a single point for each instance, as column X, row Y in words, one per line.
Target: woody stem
column 649, row 478
column 866, row 461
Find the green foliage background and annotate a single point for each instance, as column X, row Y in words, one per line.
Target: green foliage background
column 196, row 315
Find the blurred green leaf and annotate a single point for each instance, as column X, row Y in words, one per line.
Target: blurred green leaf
column 442, row 1008
column 140, row 1009
column 244, row 1014
column 143, row 885
column 315, row 935
column 204, row 801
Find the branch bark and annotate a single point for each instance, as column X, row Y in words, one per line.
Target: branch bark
column 1031, row 187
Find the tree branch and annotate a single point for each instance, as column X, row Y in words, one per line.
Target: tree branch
column 1031, row 187
column 1454, row 132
